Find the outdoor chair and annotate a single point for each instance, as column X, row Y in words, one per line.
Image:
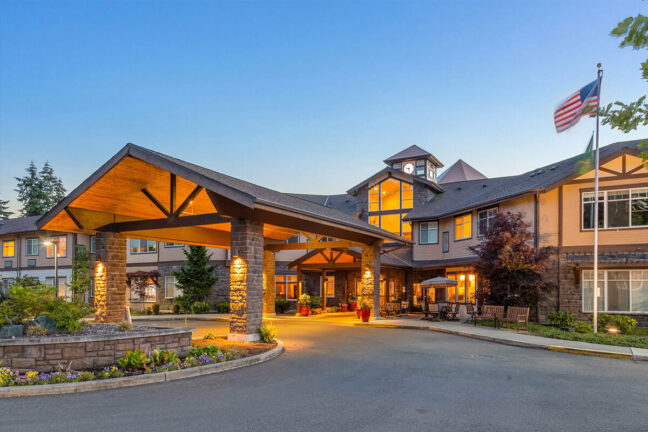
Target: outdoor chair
column 453, row 311
column 517, row 315
column 494, row 313
column 434, row 312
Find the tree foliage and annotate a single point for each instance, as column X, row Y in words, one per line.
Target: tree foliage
column 4, row 210
column 196, row 277
column 629, row 116
column 39, row 191
column 80, row 281
column 510, row 268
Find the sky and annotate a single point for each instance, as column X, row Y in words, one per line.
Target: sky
column 303, row 96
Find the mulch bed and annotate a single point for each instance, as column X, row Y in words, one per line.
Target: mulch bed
column 246, row 349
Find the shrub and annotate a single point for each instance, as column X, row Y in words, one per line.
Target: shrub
column 148, row 311
column 222, row 307
column 67, row 314
column 316, row 302
column 124, row 326
column 366, row 306
column 282, row 305
column 208, row 350
column 304, row 300
column 583, row 327
column 163, row 357
column 155, row 309
column 200, row 307
column 133, row 360
column 176, row 308
column 267, row 332
column 36, row 330
column 562, row 319
column 9, row 309
column 32, row 300
column 625, row 324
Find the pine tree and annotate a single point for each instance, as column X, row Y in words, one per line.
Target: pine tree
column 4, row 210
column 30, row 194
column 80, row 280
column 196, row 278
column 51, row 186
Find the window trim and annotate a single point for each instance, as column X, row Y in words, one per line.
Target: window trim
column 420, row 224
column 455, row 227
column 286, row 282
column 446, row 235
column 605, row 290
column 37, row 246
column 480, row 234
column 13, row 255
column 165, row 287
column 605, row 191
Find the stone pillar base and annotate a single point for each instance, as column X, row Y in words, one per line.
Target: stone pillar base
column 236, row 337
column 269, row 315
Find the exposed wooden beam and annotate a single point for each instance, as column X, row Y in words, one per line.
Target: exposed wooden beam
column 155, row 201
column 188, row 200
column 189, row 235
column 74, row 219
column 609, row 171
column 312, row 245
column 172, row 194
column 171, row 222
column 228, row 207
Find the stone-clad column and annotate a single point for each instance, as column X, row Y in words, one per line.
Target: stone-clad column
column 269, row 284
column 370, row 262
column 110, row 278
column 246, row 280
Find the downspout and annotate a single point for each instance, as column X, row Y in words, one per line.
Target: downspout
column 535, row 219
column 18, row 256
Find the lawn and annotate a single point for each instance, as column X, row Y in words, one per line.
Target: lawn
column 639, row 338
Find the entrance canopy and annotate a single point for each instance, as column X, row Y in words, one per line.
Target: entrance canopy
column 153, row 196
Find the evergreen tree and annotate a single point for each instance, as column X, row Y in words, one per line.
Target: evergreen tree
column 196, row 277
column 4, row 210
column 51, row 186
column 80, row 280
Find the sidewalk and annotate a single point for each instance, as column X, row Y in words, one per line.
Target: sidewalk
column 510, row 337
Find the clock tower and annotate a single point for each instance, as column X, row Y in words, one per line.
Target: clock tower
column 416, row 162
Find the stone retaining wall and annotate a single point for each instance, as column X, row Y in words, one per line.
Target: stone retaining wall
column 88, row 352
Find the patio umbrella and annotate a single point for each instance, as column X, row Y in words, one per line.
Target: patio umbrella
column 438, row 282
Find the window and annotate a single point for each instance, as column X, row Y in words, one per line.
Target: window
column 62, row 289
column 463, row 225
column 286, row 286
column 618, row 290
column 374, row 198
column 143, row 246
column 617, row 209
column 61, row 244
column 397, row 166
column 429, row 232
column 170, row 290
column 31, row 263
column 407, row 198
column 8, row 264
column 149, row 293
column 93, row 244
column 446, row 242
column 172, row 245
column 8, row 248
column 91, row 293
column 431, row 172
column 420, row 168
column 329, row 286
column 31, row 246
column 389, row 197
column 485, row 220
column 393, row 223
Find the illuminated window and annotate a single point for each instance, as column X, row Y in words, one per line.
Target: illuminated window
column 374, row 198
column 390, row 194
column 463, row 225
column 8, row 248
column 61, row 242
column 374, row 220
column 391, row 223
column 286, row 287
column 406, row 228
column 143, row 246
column 407, row 200
column 329, row 286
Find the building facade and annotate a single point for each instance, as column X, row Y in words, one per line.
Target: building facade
column 443, row 214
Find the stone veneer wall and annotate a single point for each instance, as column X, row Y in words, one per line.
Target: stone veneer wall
column 87, row 352
column 111, row 251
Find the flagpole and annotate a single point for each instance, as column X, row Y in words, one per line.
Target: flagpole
column 599, row 76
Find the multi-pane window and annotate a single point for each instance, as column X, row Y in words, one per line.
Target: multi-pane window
column 374, row 198
column 420, row 168
column 618, row 290
column 485, row 220
column 8, row 248
column 429, row 232
column 445, row 247
column 61, row 246
column 393, row 223
column 293, row 239
column 286, row 287
column 617, row 209
column 8, row 264
column 463, row 227
column 143, row 246
column 388, row 197
column 170, row 289
column 31, row 263
column 62, row 289
column 93, row 243
column 329, row 286
column 172, row 245
column 31, row 246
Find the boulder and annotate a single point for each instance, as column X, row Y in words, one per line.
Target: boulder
column 48, row 323
column 12, row 330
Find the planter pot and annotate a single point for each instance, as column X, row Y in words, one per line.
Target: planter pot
column 353, row 306
column 357, row 311
column 305, row 311
column 343, row 308
column 366, row 314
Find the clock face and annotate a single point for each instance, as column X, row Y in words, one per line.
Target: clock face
column 408, row 168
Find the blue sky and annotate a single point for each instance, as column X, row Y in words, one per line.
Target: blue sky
column 302, row 96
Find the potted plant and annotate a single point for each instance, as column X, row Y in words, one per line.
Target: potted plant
column 343, row 307
column 365, row 312
column 304, row 304
column 353, row 305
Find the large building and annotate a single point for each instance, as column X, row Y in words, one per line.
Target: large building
column 442, row 214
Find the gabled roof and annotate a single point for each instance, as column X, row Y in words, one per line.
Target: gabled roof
column 463, row 196
column 460, row 171
column 413, row 152
column 341, row 202
column 18, row 225
column 397, row 174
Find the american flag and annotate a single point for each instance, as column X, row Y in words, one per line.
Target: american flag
column 581, row 103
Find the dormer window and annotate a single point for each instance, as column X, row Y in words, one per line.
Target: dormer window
column 420, row 168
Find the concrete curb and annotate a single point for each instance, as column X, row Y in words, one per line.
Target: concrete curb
column 112, row 383
column 635, row 353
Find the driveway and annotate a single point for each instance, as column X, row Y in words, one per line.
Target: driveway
column 336, row 377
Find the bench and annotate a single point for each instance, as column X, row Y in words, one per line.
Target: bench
column 494, row 313
column 517, row 315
